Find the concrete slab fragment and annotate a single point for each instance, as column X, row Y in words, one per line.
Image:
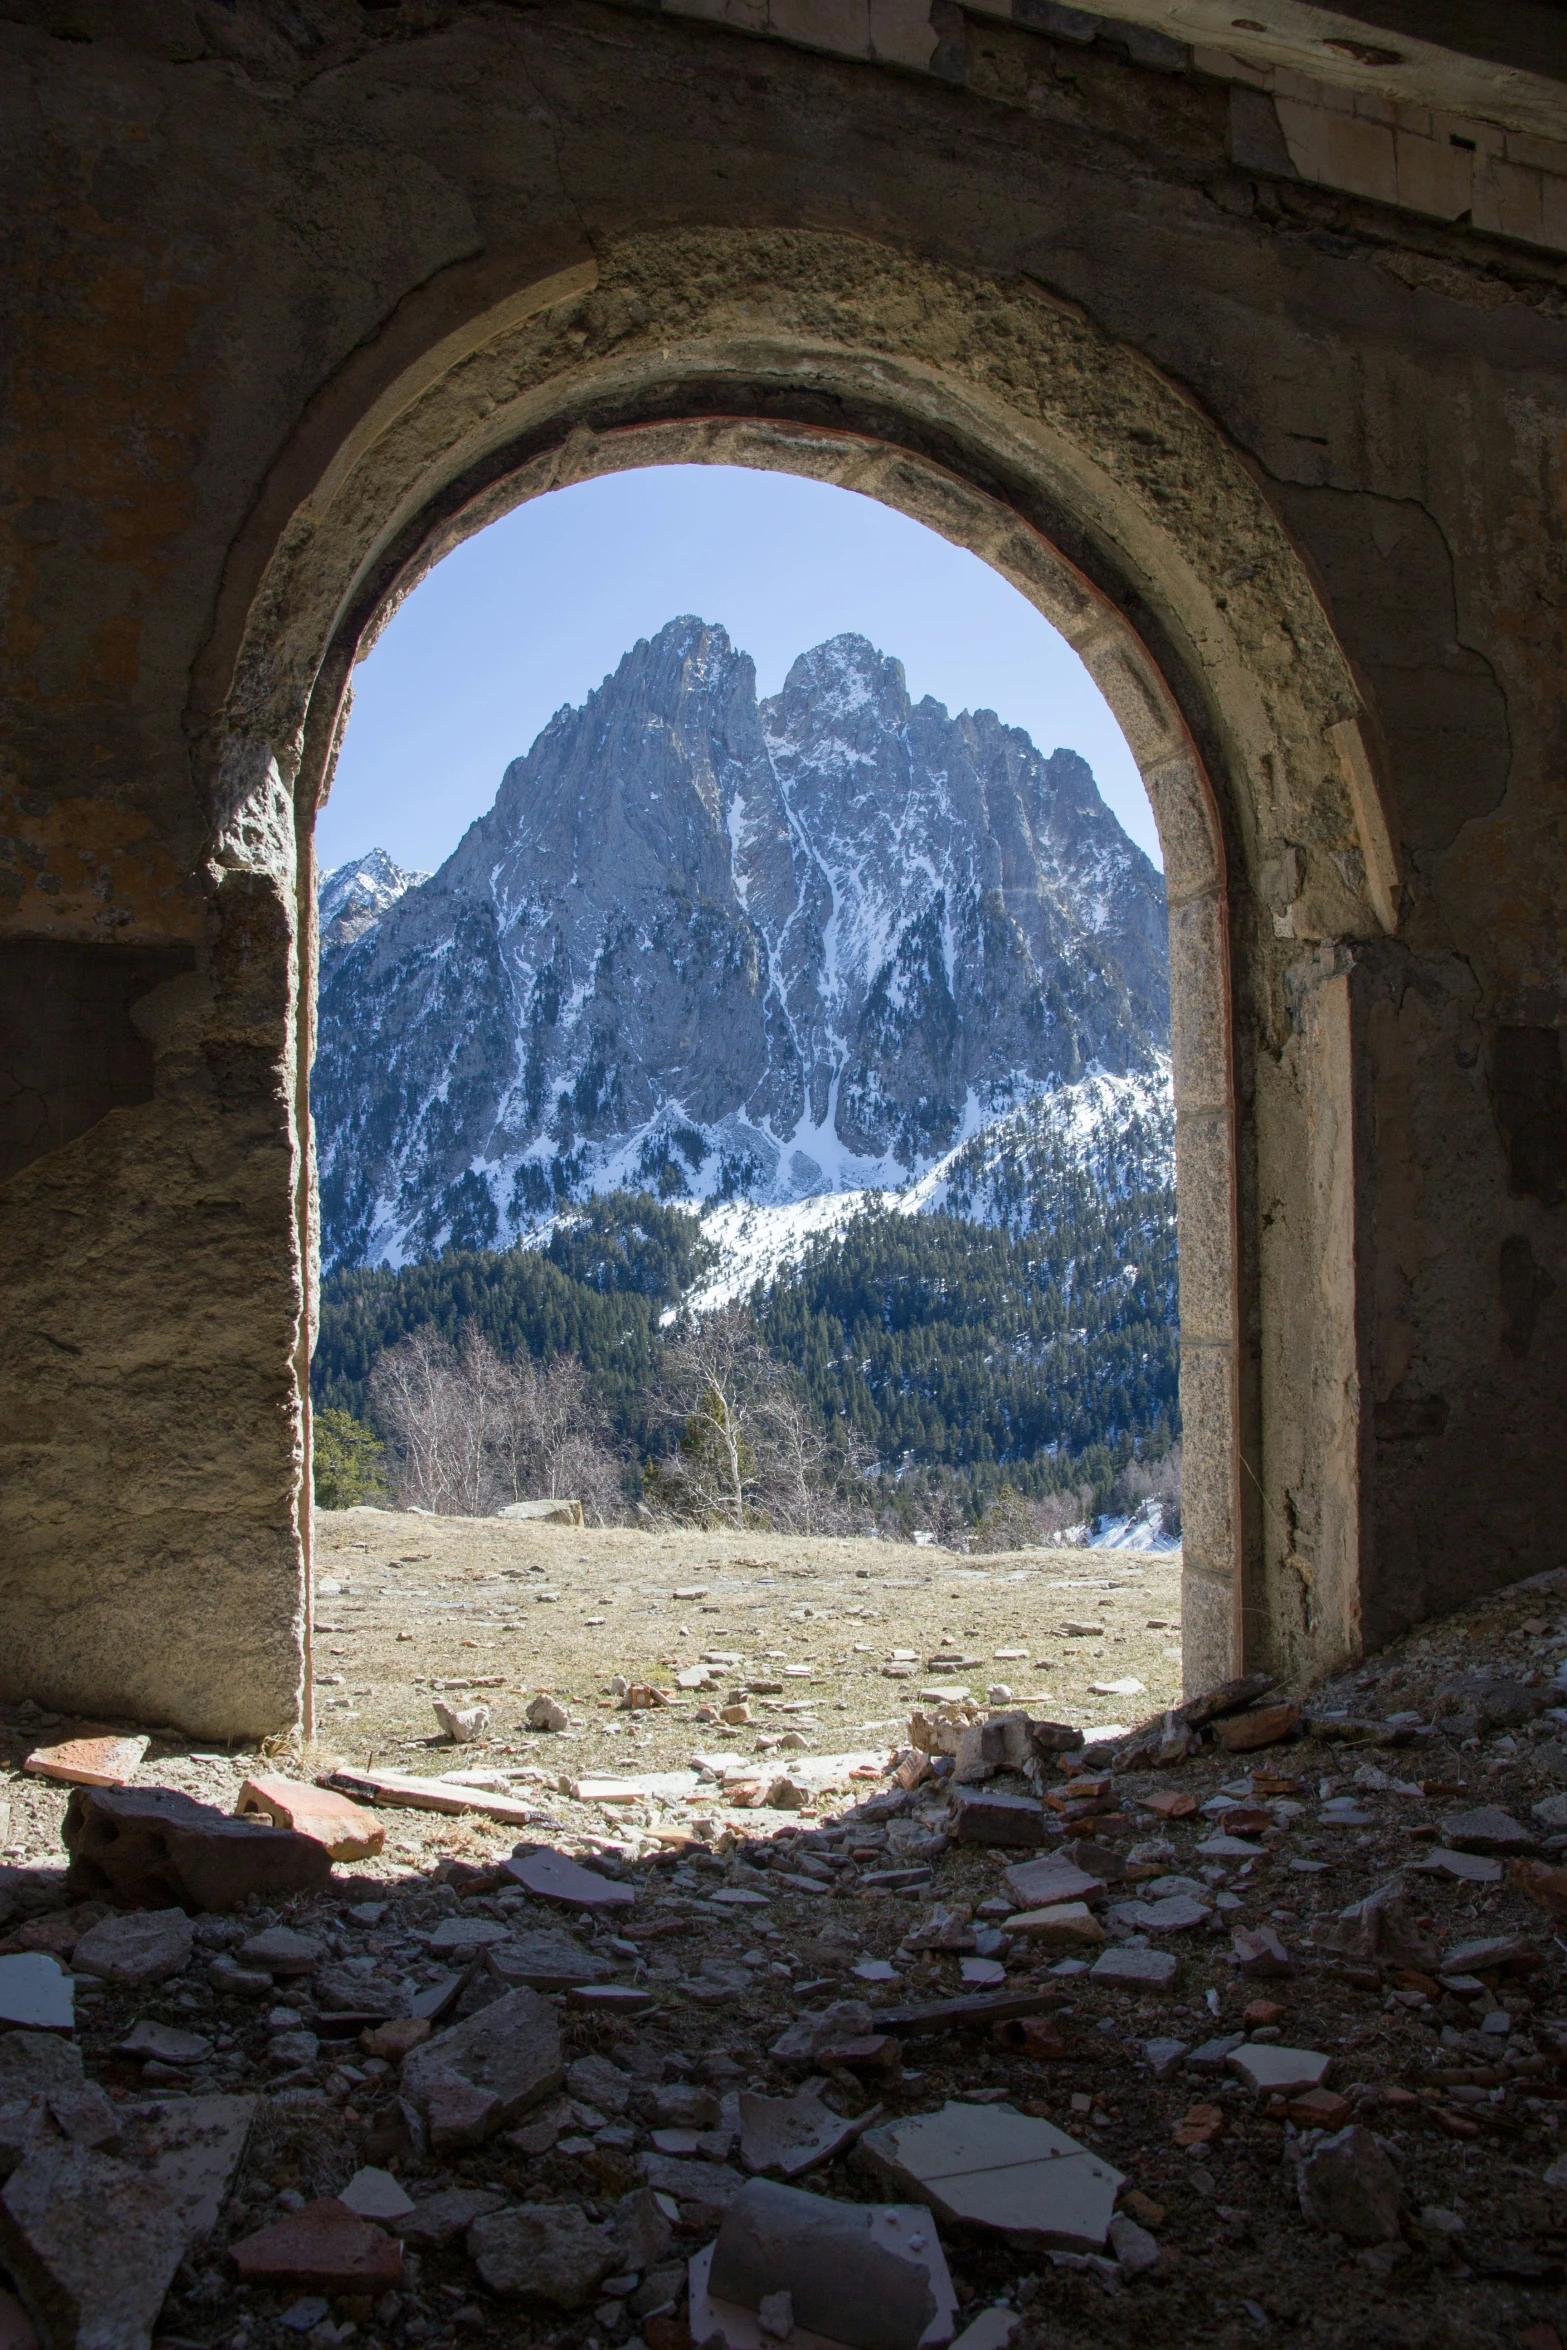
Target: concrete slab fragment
column 551, row 1876
column 36, row 1994
column 792, row 2134
column 1282, row 2072
column 988, row 2166
column 865, row 2276
column 1138, row 1970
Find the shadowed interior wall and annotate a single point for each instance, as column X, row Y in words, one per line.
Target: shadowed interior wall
column 293, row 304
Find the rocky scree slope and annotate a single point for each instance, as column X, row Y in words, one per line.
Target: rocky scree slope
column 719, row 946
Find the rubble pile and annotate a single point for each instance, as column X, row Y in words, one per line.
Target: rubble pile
column 1248, row 2021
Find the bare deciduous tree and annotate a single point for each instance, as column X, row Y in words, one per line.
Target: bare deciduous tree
column 473, row 1432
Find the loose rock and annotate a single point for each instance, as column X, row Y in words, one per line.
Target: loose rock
column 483, row 2075
column 148, row 1847
column 1349, row 2185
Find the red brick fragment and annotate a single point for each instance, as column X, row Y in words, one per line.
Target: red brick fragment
column 1320, row 2109
column 326, row 2248
column 874, row 2056
column 1200, row 2125
column 1170, row 1804
column 1260, row 2013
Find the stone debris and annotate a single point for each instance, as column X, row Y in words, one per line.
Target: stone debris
column 990, row 2167
column 464, row 1725
column 483, row 2074
column 145, row 1847
column 1258, row 1726
column 701, row 2191
column 1381, row 1926
column 92, row 2245
column 148, row 1946
column 440, row 2218
column 791, row 2135
column 686, row 1958
column 326, row 2246
column 1489, row 1829
column 1142, row 1970
column 280, row 1951
column 548, row 1959
column 1468, row 1868
column 1136, row 2251
column 551, row 1876
column 866, row 2276
column 148, row 2041
column 1349, row 2185
column 1275, row 2071
column 546, row 1713
column 348, row 1831
column 989, row 1816
column 1067, row 1925
column 36, row 1994
column 552, row 2252
column 92, row 2241
column 375, row 2194
column 804, row 2041
column 93, row 1758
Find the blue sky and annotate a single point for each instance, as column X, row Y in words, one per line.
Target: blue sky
column 536, row 610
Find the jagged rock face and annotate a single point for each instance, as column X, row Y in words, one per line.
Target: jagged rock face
column 713, row 945
column 353, row 897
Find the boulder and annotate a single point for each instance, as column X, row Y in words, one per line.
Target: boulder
column 150, row 1848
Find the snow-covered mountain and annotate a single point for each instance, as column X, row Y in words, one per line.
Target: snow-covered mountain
column 726, row 948
column 353, row 897
column 1114, row 1136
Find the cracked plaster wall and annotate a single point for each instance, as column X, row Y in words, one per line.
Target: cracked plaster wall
column 261, row 362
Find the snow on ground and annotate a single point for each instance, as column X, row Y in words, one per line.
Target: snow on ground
column 1143, row 1530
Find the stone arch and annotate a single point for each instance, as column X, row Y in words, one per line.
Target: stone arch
column 1007, row 421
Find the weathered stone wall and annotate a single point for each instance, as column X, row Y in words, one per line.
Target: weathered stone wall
column 297, row 302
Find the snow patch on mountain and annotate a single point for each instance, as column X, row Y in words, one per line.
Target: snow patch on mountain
column 1116, row 1133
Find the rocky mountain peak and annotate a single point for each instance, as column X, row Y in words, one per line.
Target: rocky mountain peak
column 718, row 946
column 353, row 897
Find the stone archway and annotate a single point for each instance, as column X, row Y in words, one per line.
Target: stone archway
column 1002, row 418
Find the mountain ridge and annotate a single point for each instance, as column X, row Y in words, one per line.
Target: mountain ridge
column 721, row 946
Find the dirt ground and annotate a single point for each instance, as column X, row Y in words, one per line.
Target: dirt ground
column 1462, row 2086
column 483, row 1611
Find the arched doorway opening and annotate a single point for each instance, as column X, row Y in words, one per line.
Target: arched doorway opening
column 1004, row 421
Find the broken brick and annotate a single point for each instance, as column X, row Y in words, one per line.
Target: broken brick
column 95, row 1757
column 1263, row 1726
column 348, row 1830
column 326, row 2247
column 1319, row 2109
